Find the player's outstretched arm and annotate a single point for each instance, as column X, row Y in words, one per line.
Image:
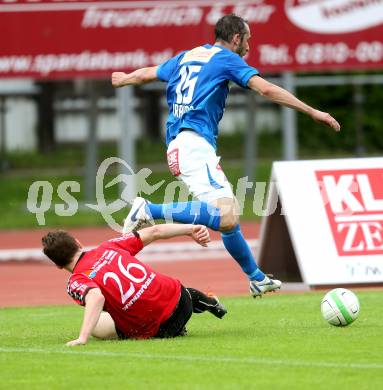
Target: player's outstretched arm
column 281, row 96
column 138, row 77
column 94, row 303
column 199, row 233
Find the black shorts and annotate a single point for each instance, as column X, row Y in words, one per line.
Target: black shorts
column 175, row 325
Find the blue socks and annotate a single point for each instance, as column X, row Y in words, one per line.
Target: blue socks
column 237, row 246
column 198, row 213
column 202, row 213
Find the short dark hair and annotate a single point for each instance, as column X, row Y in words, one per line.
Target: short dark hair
column 228, row 26
column 60, row 247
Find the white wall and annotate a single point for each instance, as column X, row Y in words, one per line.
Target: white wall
column 20, row 124
column 20, row 114
column 71, row 123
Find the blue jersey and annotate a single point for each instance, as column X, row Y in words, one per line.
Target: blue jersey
column 198, row 85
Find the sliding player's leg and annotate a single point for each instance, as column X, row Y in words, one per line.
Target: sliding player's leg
column 206, row 302
column 105, row 328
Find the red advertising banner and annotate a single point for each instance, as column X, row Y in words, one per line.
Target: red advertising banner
column 353, row 200
column 79, row 38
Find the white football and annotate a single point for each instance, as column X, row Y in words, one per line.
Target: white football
column 340, row 307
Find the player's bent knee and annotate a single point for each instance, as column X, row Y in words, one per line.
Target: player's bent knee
column 105, row 328
column 228, row 223
column 229, row 211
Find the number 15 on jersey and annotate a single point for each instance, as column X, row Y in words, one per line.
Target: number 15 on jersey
column 185, row 89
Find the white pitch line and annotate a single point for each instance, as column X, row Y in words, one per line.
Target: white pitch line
column 197, row 358
column 158, row 252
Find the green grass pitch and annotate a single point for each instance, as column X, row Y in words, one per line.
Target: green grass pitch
column 278, row 342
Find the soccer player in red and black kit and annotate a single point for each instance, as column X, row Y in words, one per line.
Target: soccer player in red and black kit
column 123, row 297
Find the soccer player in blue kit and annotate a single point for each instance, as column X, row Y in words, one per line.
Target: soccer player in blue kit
column 197, row 88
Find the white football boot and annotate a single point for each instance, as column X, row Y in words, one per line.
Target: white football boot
column 138, row 217
column 257, row 289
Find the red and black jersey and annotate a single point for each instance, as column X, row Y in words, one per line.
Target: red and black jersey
column 138, row 298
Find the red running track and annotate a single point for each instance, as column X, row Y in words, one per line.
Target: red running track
column 25, row 283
